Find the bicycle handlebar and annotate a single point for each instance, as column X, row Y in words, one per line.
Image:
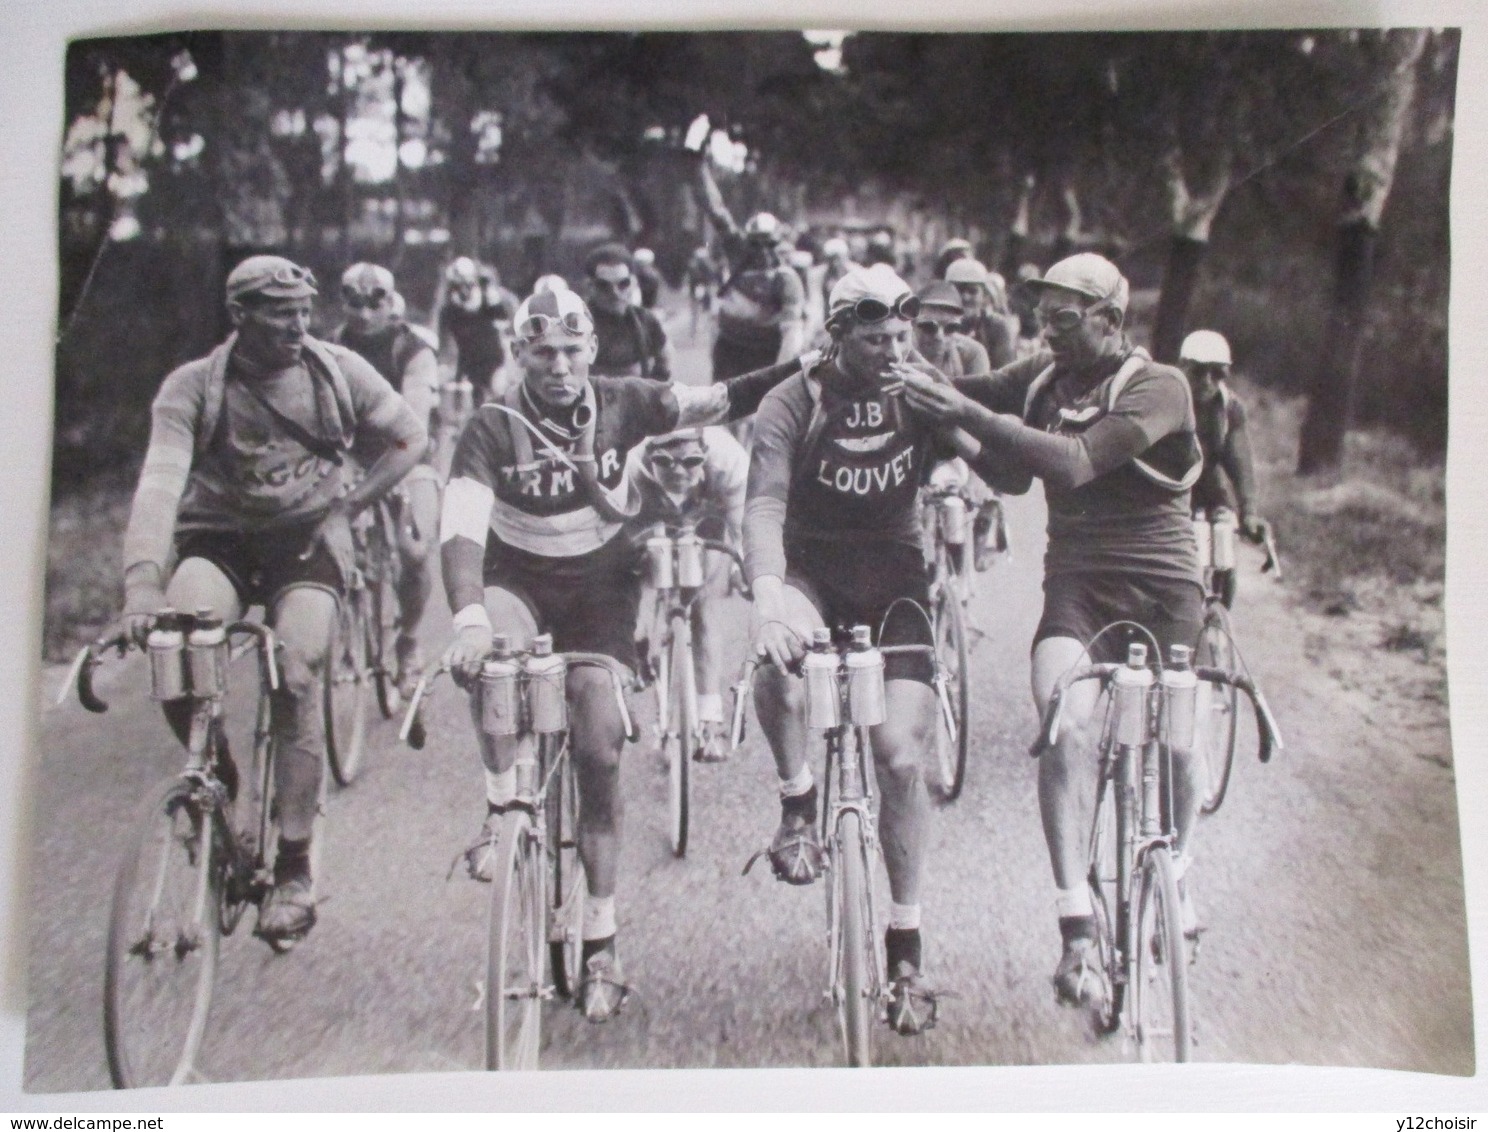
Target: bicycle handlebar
column 1054, row 711
column 609, row 664
column 732, row 552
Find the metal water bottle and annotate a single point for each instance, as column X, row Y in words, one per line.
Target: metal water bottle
column 167, row 647
column 689, row 559
column 659, row 555
column 1225, row 526
column 953, row 520
column 865, row 680
column 1131, row 684
column 500, row 701
column 1180, row 693
column 206, row 656
column 547, row 704
column 823, row 707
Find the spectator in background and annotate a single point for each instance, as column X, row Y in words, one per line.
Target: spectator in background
column 950, row 252
column 987, row 317
column 632, row 342
column 838, row 263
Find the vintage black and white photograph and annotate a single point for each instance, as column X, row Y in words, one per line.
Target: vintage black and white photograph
column 773, row 549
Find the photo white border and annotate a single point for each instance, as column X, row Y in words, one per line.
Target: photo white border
column 33, row 34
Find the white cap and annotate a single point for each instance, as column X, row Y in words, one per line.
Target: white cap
column 964, row 271
column 762, row 226
column 645, row 256
column 1207, row 347
column 563, row 308
column 550, row 283
column 1089, row 275
column 834, row 247
column 880, row 282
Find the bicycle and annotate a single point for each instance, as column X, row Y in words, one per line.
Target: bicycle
column 844, row 698
column 676, row 571
column 1216, row 647
column 534, row 942
column 202, row 850
column 1134, row 890
column 943, row 516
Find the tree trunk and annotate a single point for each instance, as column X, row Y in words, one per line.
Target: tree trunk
column 400, row 182
column 1193, row 216
column 1365, row 191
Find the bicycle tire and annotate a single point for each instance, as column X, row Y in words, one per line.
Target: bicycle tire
column 949, row 763
column 1218, row 730
column 383, row 623
column 163, row 952
column 1160, row 1007
column 344, row 684
column 682, row 732
column 515, row 969
column 1105, row 898
column 568, row 888
column 854, row 960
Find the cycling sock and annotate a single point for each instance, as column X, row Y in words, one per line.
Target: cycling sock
column 902, row 945
column 710, row 707
column 905, row 917
column 800, row 805
column 1071, row 902
column 800, row 784
column 1077, row 927
column 599, row 919
column 292, row 862
column 501, row 787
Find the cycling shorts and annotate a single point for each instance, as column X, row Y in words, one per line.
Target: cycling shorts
column 589, row 602
column 1080, row 605
column 263, row 566
column 852, row 583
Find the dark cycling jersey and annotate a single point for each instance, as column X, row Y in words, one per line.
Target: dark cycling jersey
column 1228, row 479
column 390, row 351
column 631, row 344
column 477, row 340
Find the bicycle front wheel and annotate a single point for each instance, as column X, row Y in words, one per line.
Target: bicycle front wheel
column 951, row 741
column 854, row 984
column 567, row 885
column 514, row 957
column 1160, row 972
column 163, row 939
column 382, row 624
column 346, row 681
column 682, row 736
column 1216, row 727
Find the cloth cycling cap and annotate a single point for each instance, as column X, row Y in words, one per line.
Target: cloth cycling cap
column 1090, row 275
column 955, row 245
column 941, row 294
column 539, row 312
column 549, row 283
column 367, row 279
column 879, row 282
column 463, row 270
column 1207, row 347
column 271, row 276
column 834, row 247
column 762, row 226
column 966, row 271
column 644, row 256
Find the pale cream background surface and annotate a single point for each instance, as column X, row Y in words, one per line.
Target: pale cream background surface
column 32, row 38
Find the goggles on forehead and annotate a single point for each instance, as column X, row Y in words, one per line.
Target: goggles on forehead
column 536, row 325
column 666, row 460
column 876, row 310
column 363, row 300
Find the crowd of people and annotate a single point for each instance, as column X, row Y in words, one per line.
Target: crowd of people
column 580, row 440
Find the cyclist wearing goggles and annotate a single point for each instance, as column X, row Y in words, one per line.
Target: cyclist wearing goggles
column 761, row 306
column 375, row 330
column 984, row 298
column 632, row 342
column 832, row 537
column 1227, row 485
column 475, row 313
column 245, row 486
column 694, row 478
column 532, row 541
column 1111, row 434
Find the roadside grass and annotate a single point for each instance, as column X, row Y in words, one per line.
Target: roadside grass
column 84, row 591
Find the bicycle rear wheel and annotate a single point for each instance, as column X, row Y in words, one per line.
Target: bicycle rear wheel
column 854, row 982
column 514, row 957
column 346, row 681
column 948, row 765
column 568, row 887
column 1216, row 727
column 163, row 939
column 681, row 735
column 382, row 627
column 1160, row 1005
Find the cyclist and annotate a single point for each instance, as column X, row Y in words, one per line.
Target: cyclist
column 940, row 342
column 984, row 296
column 832, row 537
column 471, row 320
column 761, row 305
column 702, row 284
column 1111, row 434
column 837, row 262
column 1227, row 485
column 632, row 342
column 532, row 540
column 648, row 279
column 408, row 363
column 695, row 477
column 950, row 251
column 245, row 486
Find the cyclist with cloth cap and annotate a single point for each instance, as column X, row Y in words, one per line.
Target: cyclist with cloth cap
column 1112, row 435
column 832, row 538
column 376, row 332
column 246, row 487
column 532, row 538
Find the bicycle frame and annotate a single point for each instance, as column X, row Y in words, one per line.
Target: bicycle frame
column 951, row 563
